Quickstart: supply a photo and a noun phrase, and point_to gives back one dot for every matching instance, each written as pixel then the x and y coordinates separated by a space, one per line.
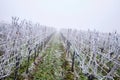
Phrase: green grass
pixel 50 66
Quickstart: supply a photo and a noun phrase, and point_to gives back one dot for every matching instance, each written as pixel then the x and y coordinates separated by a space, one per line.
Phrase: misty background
pixel 102 15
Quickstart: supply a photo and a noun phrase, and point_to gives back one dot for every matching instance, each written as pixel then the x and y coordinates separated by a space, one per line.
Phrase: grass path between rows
pixel 53 66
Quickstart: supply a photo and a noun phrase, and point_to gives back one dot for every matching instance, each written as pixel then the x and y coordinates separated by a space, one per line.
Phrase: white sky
pixel 102 15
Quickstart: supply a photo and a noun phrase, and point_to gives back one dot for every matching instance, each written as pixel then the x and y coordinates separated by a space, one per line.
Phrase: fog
pixel 102 15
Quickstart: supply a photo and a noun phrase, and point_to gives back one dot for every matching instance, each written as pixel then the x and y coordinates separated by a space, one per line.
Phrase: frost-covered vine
pixel 97 54
pixel 17 39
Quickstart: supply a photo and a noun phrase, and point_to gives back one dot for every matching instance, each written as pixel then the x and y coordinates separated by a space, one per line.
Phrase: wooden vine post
pixel 28 62
pixel 73 61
